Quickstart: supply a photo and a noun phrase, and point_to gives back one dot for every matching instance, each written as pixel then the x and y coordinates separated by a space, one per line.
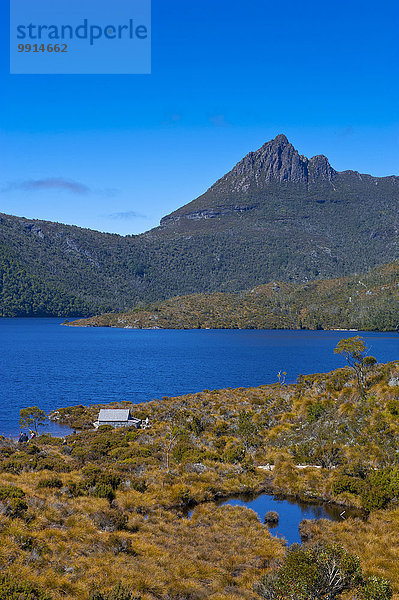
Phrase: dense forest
pixel 22 295
pixel 370 302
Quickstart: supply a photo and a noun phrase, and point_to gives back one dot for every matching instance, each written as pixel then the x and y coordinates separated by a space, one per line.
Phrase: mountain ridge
pixel 276 215
pixel 277 161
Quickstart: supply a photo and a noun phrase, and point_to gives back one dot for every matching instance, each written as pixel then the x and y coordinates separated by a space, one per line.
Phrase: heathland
pixel 108 506
pixel 367 303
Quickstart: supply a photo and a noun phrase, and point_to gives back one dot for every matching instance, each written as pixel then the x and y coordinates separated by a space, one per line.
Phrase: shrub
pixel 315 411
pixel 15 507
pixel 10 491
pixel 12 499
pixel 197 425
pixel 311 573
pixel 234 454
pixel 75 489
pixel 15 589
pixel 120 545
pixel 104 490
pixel 271 517
pixel 381 486
pixel 345 483
pixel 120 592
pixel 94 476
pixel 51 463
pixel 110 520
pixel 180 494
pixel 139 485
pixel 48 439
pixel 50 482
pixel 376 588
pixel 16 463
pixel 328 455
pixel 393 407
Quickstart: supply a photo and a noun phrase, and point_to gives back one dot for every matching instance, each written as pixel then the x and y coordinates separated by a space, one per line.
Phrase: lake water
pixel 291 513
pixel 44 364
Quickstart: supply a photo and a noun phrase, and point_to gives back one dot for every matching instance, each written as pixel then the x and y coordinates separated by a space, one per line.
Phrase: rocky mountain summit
pixel 277 161
pixel 278 171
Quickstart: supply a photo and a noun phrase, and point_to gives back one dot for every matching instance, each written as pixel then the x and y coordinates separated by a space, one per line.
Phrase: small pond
pixel 291 512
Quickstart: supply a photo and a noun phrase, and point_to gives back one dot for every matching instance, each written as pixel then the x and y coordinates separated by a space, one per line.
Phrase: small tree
pixel 176 427
pixel 247 430
pixel 32 416
pixel 355 352
pixel 281 375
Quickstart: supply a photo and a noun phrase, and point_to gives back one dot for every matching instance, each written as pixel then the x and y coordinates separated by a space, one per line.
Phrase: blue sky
pixel 118 152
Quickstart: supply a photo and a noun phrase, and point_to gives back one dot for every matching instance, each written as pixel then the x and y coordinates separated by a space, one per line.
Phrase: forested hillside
pixel 276 216
pixel 369 302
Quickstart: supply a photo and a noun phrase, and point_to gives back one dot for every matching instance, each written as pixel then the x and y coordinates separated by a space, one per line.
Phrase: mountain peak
pixel 277 161
pixel 320 169
pixel 280 139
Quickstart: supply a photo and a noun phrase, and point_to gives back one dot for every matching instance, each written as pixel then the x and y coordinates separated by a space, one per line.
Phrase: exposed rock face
pixel 207 213
pixel 319 169
pixel 276 161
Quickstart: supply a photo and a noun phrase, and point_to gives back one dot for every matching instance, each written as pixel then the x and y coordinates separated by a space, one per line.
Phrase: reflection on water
pixel 291 512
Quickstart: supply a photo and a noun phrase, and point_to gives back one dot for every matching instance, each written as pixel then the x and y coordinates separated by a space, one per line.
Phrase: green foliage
pixel 50 482
pixel 139 485
pixel 355 352
pixel 12 588
pixel 103 490
pixel 312 573
pixel 10 491
pixel 95 476
pixel 345 483
pixel 196 425
pixel 111 520
pixel 247 429
pixel 376 588
pixel 380 488
pixel 54 269
pixel 32 416
pixel 285 307
pixel 315 411
pixel 24 294
pixel 12 498
pixel 234 454
pixel 393 407
pixel 120 592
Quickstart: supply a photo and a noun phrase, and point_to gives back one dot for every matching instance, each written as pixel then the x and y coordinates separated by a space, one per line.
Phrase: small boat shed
pixel 117 417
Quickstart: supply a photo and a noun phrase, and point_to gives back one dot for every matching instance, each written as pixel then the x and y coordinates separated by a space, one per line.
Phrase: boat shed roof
pixel 114 414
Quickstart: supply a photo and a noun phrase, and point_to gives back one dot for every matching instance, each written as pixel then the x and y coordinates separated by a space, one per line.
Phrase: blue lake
pixel 291 513
pixel 44 364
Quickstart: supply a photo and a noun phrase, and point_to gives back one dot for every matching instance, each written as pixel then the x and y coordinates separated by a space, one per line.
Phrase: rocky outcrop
pixel 319 169
pixel 276 161
pixel 206 214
